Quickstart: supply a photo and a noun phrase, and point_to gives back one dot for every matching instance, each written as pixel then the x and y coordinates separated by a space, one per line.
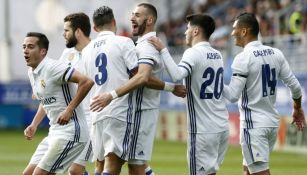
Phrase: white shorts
pixel 257 144
pixel 143 134
pixel 60 155
pixel 206 151
pixel 111 135
pixel 86 155
pixel 40 151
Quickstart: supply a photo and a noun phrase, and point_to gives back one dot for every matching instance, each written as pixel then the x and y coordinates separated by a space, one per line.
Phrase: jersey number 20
pixel 268 80
pixel 217 79
pixel 101 64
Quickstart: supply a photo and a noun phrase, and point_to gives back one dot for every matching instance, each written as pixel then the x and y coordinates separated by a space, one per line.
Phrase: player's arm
pixel 177 89
pixel 138 80
pixel 84 86
pixel 30 131
pixel 233 91
pixel 292 82
pixel 177 73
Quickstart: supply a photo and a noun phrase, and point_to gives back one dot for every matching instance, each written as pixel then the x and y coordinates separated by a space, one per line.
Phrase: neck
pixel 248 40
pixel 198 40
pixel 82 43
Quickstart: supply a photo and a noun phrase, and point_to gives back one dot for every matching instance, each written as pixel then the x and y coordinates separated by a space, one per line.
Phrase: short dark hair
pixel 248 20
pixel 81 21
pixel 102 16
pixel 42 42
pixel 151 10
pixel 204 21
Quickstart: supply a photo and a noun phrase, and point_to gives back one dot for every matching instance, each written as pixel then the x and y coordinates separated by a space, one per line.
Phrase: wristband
pixel 169 86
pixel 113 94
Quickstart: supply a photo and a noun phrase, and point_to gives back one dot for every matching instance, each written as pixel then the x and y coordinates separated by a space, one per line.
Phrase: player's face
pixel 138 21
pixel 189 34
pixel 69 36
pixel 32 53
pixel 237 34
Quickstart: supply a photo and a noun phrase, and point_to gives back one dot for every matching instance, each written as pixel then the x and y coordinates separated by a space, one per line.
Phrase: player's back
pixel 109 58
pixel 206 107
pixel 263 66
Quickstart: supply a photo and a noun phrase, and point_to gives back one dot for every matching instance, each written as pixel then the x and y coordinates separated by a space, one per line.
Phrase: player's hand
pixel 100 101
pixel 156 42
pixel 64 117
pixel 299 119
pixel 29 132
pixel 180 90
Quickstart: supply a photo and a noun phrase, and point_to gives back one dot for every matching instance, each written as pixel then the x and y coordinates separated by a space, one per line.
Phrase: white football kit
pixel 255 74
pixel 147 103
pixel 109 61
pixel 207 117
pixel 49 84
pixel 73 58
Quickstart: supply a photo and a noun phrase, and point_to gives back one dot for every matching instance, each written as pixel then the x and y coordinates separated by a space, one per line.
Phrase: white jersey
pixel 49 84
pixel 262 66
pixel 147 98
pixel 206 109
pixel 109 61
pixel 72 58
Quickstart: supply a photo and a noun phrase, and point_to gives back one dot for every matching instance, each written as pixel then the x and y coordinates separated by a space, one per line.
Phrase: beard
pixel 71 42
pixel 141 29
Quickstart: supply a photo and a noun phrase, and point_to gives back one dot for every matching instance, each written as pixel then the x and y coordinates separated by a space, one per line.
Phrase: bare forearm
pixel 84 87
pixel 39 116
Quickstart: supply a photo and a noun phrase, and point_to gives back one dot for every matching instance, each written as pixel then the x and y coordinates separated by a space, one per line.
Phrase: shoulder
pixel 191 53
pixel 145 47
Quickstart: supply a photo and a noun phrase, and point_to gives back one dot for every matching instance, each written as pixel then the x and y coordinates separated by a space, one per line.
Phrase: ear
pixel 95 28
pixel 243 31
pixel 150 20
pixel 43 51
pixel 196 31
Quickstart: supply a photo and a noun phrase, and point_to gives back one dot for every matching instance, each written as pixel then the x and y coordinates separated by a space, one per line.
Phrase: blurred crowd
pixel 276 17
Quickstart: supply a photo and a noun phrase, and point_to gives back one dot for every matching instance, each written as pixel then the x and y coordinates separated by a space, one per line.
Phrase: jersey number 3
pixel 268 80
pixel 101 64
pixel 217 79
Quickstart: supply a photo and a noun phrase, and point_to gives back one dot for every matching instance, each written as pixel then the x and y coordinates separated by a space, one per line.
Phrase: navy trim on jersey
pixel 145 63
pixel 192 153
pixel 89 151
pixel 128 127
pixel 247 138
pixel 137 121
pixel 62 156
pixel 67 97
pixel 188 65
pixel 147 59
pixel 66 71
pixel 239 75
pixel 193 126
pixel 71 74
pixel 247 111
pixel 185 68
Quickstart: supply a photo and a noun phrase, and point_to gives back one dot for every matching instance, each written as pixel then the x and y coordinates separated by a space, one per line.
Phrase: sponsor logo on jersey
pixel 48 101
pixel 141 153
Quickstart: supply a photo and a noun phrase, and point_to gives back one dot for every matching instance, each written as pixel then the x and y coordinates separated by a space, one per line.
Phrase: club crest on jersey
pixel 71 56
pixel 43 84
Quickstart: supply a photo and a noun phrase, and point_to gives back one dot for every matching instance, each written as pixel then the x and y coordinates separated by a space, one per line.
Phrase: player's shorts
pixel 144 130
pixel 40 151
pixel 111 135
pixel 86 155
pixel 257 144
pixel 60 155
pixel 206 151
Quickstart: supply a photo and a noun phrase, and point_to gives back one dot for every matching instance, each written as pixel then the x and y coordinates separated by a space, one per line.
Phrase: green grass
pixel 169 158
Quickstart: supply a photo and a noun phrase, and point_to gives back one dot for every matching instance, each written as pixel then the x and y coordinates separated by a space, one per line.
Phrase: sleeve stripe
pixel 187 65
pixel 147 59
pixel 67 74
pixel 239 75
pixel 145 63
pixel 185 68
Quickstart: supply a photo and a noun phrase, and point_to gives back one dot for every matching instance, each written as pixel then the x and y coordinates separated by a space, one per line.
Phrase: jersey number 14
pixel 268 80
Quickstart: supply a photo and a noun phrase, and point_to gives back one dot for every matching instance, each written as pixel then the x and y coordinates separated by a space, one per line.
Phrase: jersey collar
pixel 252 44
pixel 106 33
pixel 40 66
pixel 202 43
pixel 146 36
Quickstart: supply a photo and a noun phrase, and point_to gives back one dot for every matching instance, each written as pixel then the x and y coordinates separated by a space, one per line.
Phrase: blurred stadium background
pixel 283 24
